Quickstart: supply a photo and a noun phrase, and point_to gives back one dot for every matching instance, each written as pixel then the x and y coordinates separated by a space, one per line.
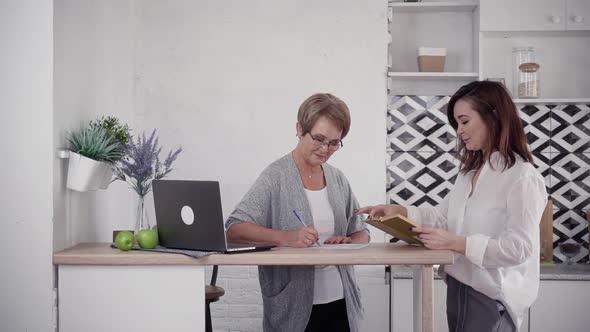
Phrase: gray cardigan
pixel 287 291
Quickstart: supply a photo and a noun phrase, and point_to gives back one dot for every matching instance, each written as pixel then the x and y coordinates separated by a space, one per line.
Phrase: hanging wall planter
pixel 86 174
pixel 93 152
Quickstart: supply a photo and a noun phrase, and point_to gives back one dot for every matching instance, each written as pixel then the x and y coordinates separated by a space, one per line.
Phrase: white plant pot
pixel 86 174
pixel 107 177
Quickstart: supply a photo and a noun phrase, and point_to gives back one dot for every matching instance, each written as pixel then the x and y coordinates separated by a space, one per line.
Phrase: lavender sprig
pixel 142 165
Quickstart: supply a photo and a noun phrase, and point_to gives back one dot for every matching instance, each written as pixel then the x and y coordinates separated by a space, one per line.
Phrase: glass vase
pixel 142 220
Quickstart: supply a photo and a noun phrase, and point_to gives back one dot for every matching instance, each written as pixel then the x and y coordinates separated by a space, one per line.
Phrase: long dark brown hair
pixel 498 112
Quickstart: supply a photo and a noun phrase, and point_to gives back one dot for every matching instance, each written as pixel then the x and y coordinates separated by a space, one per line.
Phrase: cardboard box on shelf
pixel 431 59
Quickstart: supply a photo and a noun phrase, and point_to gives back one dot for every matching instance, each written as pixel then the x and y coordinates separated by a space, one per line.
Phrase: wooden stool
pixel 212 294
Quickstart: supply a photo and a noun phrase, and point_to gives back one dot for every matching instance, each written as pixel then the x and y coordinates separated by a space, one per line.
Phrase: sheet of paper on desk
pixel 341 246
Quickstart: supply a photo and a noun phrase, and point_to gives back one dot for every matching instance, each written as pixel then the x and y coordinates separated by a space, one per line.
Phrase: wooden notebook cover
pixel 398 226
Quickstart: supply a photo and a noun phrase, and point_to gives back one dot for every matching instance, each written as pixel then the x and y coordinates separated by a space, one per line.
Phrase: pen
pixel 304 225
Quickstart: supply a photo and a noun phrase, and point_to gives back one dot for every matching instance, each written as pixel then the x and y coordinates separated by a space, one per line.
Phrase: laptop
pixel 189 216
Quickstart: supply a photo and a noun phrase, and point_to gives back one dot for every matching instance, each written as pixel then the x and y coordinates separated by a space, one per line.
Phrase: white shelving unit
pixel 473 54
pixel 452 25
pixel 443 75
pixel 433 6
pixel 554 101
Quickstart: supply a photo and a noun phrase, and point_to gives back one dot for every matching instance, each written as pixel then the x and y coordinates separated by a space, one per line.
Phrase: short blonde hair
pixel 323 104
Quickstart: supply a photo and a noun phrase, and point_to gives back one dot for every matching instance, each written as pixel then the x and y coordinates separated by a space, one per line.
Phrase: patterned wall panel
pixel 421 165
pixel 417 178
pixel 418 123
pixel 570 177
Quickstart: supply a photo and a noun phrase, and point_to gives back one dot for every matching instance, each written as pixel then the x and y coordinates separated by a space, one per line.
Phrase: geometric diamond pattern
pixel 417 177
pixel 419 123
pixel 421 165
pixel 536 120
pixel 563 157
pixel 570 226
pixel 571 129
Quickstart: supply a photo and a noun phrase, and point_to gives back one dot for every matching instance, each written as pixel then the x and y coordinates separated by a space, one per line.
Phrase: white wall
pixel 93 76
pixel 224 79
pixel 26 277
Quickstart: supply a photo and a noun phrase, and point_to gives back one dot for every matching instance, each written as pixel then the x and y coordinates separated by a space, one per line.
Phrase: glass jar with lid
pixel 526 83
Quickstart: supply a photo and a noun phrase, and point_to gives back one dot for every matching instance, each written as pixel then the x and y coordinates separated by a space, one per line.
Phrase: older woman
pixel 296 201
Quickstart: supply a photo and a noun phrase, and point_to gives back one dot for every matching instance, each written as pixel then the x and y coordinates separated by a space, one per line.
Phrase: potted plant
pixel 93 151
pixel 119 133
pixel 140 166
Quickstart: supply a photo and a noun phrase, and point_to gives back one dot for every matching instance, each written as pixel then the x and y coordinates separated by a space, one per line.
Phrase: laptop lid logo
pixel 187 215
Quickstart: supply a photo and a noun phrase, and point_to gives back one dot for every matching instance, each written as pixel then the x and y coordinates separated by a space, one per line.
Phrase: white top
pixel 327 286
pixel 500 221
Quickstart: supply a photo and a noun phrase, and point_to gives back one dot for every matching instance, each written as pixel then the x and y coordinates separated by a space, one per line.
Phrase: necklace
pixel 313 174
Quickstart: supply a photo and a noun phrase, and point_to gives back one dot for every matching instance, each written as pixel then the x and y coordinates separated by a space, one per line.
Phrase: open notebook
pixel 341 246
pixel 398 226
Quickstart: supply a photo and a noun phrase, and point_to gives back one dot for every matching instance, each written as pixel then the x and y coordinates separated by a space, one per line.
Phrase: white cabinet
pixel 522 15
pixel 540 15
pixel 374 296
pixel 577 15
pixel 402 305
pixel 131 298
pixel 535 15
pixel 561 306
pixel 495 17
pixel 542 24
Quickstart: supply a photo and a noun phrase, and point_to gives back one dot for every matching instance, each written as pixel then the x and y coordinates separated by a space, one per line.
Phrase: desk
pixel 105 289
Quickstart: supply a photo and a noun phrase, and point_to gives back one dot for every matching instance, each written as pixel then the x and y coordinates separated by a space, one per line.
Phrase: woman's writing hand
pixel 302 237
pixel 338 240
pixel 383 210
pixel 436 238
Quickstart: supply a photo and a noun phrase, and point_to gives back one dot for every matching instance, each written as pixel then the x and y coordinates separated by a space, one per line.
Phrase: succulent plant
pixel 96 143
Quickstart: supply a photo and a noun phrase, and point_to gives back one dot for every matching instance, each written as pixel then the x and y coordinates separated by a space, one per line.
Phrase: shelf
pixel 412 7
pixel 552 101
pixel 432 75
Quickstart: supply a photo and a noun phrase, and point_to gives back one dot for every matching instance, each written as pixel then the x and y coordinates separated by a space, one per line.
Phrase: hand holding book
pixel 438 238
pixel 398 226
pixel 383 210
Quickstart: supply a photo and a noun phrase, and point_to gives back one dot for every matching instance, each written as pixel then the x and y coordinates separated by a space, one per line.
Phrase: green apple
pixel 124 240
pixel 147 238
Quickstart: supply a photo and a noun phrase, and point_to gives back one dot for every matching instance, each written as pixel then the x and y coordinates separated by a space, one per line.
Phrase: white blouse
pixel 327 283
pixel 500 221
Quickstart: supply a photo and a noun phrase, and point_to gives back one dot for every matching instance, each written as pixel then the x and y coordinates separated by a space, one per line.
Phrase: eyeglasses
pixel 320 141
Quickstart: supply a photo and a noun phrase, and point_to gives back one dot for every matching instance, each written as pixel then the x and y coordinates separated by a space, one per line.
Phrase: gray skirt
pixel 469 310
